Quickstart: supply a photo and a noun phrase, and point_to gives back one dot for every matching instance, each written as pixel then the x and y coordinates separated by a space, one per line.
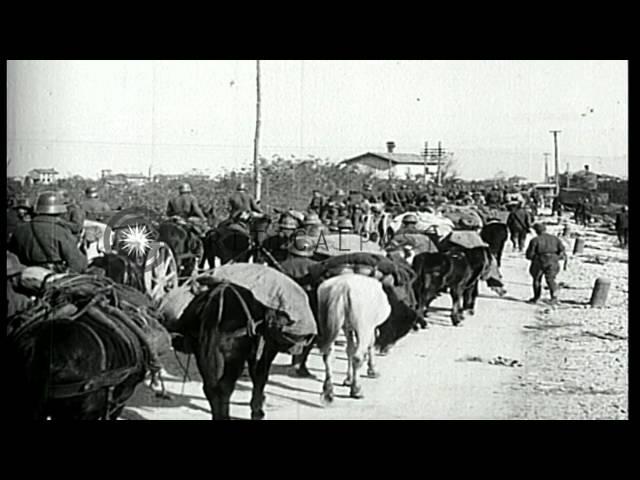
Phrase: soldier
pixel 368 193
pixel 390 197
pixel 622 226
pixel 409 223
pixel 313 225
pixel 93 207
pixel 185 205
pixel 317 203
pixel 338 197
pixel 345 226
pixel 16 301
pixel 241 202
pixel 556 206
pixel 297 265
pixel 544 252
pixel 277 244
pixel 46 241
pixel 519 224
pixel 19 212
pixel 75 216
pixel 586 212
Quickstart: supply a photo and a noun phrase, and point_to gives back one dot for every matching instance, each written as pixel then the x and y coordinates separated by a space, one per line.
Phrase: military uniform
pixel 277 246
pixel 95 209
pixel 47 242
pixel 317 205
pixel 74 219
pixel 519 224
pixel 185 206
pixel 622 227
pixel 544 252
pixel 242 202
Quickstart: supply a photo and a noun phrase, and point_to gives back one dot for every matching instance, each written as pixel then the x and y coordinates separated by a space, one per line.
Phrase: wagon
pixel 157 261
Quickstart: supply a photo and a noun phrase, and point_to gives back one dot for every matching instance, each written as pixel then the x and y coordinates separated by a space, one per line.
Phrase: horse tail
pixel 332 306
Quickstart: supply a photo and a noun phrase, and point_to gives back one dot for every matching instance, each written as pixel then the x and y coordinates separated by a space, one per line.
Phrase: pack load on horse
pixel 246 313
pixel 344 241
pixel 82 348
pixel 462 217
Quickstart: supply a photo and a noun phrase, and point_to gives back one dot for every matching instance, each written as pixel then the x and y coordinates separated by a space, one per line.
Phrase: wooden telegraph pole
pixel 555 147
pixel 426 157
pixel 546 167
pixel 256 141
pixel 439 164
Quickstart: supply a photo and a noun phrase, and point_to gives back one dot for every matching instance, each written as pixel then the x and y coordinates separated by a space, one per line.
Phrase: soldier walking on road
pixel 622 227
pixel 544 252
pixel 519 224
pixel 93 207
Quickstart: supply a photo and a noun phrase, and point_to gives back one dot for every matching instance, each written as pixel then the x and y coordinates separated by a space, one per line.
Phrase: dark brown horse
pixel 78 366
pixel 226 327
pixel 235 241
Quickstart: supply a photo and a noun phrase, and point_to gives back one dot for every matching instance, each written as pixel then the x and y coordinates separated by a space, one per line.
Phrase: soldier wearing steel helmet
pixel 93 207
pixel 298 265
pixel 241 202
pixel 19 212
pixel 313 226
pixel 75 215
pixel 277 244
pixel 16 301
pixel 185 205
pixel 46 240
pixel 409 222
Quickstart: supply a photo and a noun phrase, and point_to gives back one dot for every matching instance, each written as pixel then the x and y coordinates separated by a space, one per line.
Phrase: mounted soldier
pixel 313 226
pixel 277 244
pixel 242 202
pixel 93 207
pixel 46 240
pixel 185 207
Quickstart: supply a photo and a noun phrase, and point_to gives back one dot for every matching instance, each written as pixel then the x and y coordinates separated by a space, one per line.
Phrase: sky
pixel 80 117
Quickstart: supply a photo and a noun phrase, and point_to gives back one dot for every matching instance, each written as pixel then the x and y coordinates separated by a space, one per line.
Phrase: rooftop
pixel 395 158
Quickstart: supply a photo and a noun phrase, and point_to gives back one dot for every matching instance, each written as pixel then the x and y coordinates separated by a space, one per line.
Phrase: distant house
pixel 43 176
pixel 400 164
pixel 120 179
pixel 136 179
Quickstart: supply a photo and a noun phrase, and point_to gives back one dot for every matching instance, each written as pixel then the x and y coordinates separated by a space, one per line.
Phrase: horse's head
pixel 398 324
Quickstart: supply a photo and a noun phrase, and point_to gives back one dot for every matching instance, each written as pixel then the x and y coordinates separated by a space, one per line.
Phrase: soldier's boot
pixel 537 291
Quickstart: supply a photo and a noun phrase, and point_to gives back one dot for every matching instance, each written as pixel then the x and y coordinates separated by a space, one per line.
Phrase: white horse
pixel 357 305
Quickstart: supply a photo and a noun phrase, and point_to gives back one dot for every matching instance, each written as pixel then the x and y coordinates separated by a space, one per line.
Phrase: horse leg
pixel 259 371
pixel 355 362
pixel 300 361
pixel 456 312
pixel 371 368
pixel 350 350
pixel 327 387
pixel 468 298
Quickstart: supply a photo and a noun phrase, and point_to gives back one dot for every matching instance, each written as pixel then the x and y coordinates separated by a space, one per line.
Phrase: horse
pixel 357 305
pixel 234 241
pixel 402 319
pixel 121 269
pixel 185 244
pixel 77 368
pixel 495 234
pixel 225 327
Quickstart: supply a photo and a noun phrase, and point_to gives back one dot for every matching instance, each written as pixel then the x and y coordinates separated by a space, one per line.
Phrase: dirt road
pixel 438 373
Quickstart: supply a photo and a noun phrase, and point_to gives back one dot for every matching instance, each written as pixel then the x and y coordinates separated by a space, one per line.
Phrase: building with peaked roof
pixel 43 176
pixel 401 165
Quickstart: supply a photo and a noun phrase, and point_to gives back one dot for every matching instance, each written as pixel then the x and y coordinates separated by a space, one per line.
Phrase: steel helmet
pixel 301 247
pixel 185 188
pixel 312 219
pixel 288 223
pixel 241 188
pixel 410 219
pixel 91 192
pixel 23 203
pixel 345 224
pixel 50 203
pixel 14 267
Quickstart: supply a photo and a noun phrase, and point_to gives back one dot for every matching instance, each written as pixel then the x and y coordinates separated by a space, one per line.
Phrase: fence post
pixel 600 292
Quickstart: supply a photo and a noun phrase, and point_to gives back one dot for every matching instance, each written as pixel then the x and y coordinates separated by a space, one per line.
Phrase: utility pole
pixel 439 164
pixel 546 167
pixel 256 141
pixel 568 175
pixel 555 150
pixel 426 155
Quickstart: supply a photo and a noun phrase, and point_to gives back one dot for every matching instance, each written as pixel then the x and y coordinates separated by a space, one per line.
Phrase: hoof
pixel 356 392
pixel 327 398
pixel 347 382
pixel 303 372
pixel 373 373
pixel 259 415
